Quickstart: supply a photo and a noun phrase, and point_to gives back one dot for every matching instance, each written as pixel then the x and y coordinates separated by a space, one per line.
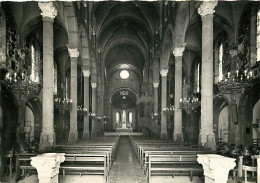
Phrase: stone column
pixel 164 134
pixel 73 134
pixel 177 134
pixel 47 166
pixel 48 14
pixel 216 167
pixel 207 137
pixel 94 121
pixel 86 74
pixel 258 167
pixel 155 86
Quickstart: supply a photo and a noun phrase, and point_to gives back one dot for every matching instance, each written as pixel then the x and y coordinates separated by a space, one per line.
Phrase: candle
pixel 245 72
pixel 251 74
pixel 22 75
pixel 228 74
pixel 237 73
pixel 14 75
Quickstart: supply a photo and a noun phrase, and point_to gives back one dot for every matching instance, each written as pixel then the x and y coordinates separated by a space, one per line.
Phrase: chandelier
pixel 189 104
pixel 63 103
pixel 21 83
pixel 82 110
pixel 235 82
pixel 168 110
pixel 155 115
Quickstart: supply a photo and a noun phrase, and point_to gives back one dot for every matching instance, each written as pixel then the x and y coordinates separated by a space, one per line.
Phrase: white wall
pixel 256 115
pixel 30 118
pixel 223 123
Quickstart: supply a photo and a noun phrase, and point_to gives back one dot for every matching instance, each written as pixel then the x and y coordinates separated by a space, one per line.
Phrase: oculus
pixel 124 74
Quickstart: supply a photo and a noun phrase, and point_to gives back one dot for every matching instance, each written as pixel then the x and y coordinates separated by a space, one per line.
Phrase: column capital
pixel 47 164
pixel 94 85
pixel 73 52
pixel 178 51
pixel 164 72
pixel 48 9
pixel 86 73
pixel 215 165
pixel 156 84
pixel 207 8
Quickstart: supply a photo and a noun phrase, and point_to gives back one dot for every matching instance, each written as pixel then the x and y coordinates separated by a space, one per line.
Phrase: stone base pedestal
pixel 47 140
pixel 73 136
pixel 208 141
pixel 47 166
pixel 211 144
pixel 86 135
pixel 164 135
pixel 216 167
pixel 178 137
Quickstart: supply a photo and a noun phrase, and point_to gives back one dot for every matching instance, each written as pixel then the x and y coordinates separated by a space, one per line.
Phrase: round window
pixel 124 74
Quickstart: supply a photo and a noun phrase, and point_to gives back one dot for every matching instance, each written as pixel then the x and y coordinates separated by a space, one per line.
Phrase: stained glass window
pixel 220 65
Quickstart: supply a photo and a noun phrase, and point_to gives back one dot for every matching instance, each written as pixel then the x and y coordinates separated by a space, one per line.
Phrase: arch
pixel 167 45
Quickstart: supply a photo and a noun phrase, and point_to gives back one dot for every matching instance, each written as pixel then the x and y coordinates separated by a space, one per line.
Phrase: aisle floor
pixel 126 168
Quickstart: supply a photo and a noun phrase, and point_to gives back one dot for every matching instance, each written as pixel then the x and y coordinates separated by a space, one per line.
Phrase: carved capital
pixel 207 8
pixel 178 51
pixel 47 164
pixel 215 165
pixel 48 9
pixel 164 72
pixel 94 85
pixel 155 84
pixel 86 73
pixel 73 52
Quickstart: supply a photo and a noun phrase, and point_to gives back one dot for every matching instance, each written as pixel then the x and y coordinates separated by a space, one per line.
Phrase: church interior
pixel 130 91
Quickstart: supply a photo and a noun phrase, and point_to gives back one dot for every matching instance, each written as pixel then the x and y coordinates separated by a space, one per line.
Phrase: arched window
pixel 220 65
pixel 130 117
pixel 258 36
pixel 35 62
pixel 55 79
pixel 196 88
pixel 117 117
pixel 66 88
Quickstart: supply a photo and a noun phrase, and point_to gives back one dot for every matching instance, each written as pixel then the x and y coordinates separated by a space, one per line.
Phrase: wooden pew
pixel 89 164
pixel 83 164
pixel 173 165
pixel 178 152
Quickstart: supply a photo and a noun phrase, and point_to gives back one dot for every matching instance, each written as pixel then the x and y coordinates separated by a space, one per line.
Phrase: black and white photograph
pixel 130 91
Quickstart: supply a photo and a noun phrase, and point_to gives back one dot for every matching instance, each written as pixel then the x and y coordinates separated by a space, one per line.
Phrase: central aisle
pixel 126 168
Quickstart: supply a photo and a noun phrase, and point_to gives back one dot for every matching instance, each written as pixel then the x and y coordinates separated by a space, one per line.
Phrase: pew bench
pixel 94 164
pixel 147 153
pixel 85 164
pixel 173 165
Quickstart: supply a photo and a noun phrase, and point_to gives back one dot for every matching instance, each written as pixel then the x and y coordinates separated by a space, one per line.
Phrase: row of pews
pixel 91 157
pixel 160 157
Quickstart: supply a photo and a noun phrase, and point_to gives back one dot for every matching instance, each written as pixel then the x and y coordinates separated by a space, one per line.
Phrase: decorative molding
pixel 73 52
pixel 48 9
pixel 155 84
pixel 207 8
pixel 86 73
pixel 93 85
pixel 178 51
pixel 164 72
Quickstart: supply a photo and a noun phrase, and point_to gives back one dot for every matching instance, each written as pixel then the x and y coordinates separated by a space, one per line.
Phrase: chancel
pixel 130 91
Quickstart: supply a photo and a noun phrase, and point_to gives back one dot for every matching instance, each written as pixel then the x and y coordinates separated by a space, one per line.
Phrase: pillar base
pixel 164 135
pixel 178 137
pixel 208 141
pixel 86 135
pixel 73 136
pixel 47 140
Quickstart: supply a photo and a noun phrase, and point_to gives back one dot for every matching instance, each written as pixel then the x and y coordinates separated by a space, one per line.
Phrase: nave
pixel 128 159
